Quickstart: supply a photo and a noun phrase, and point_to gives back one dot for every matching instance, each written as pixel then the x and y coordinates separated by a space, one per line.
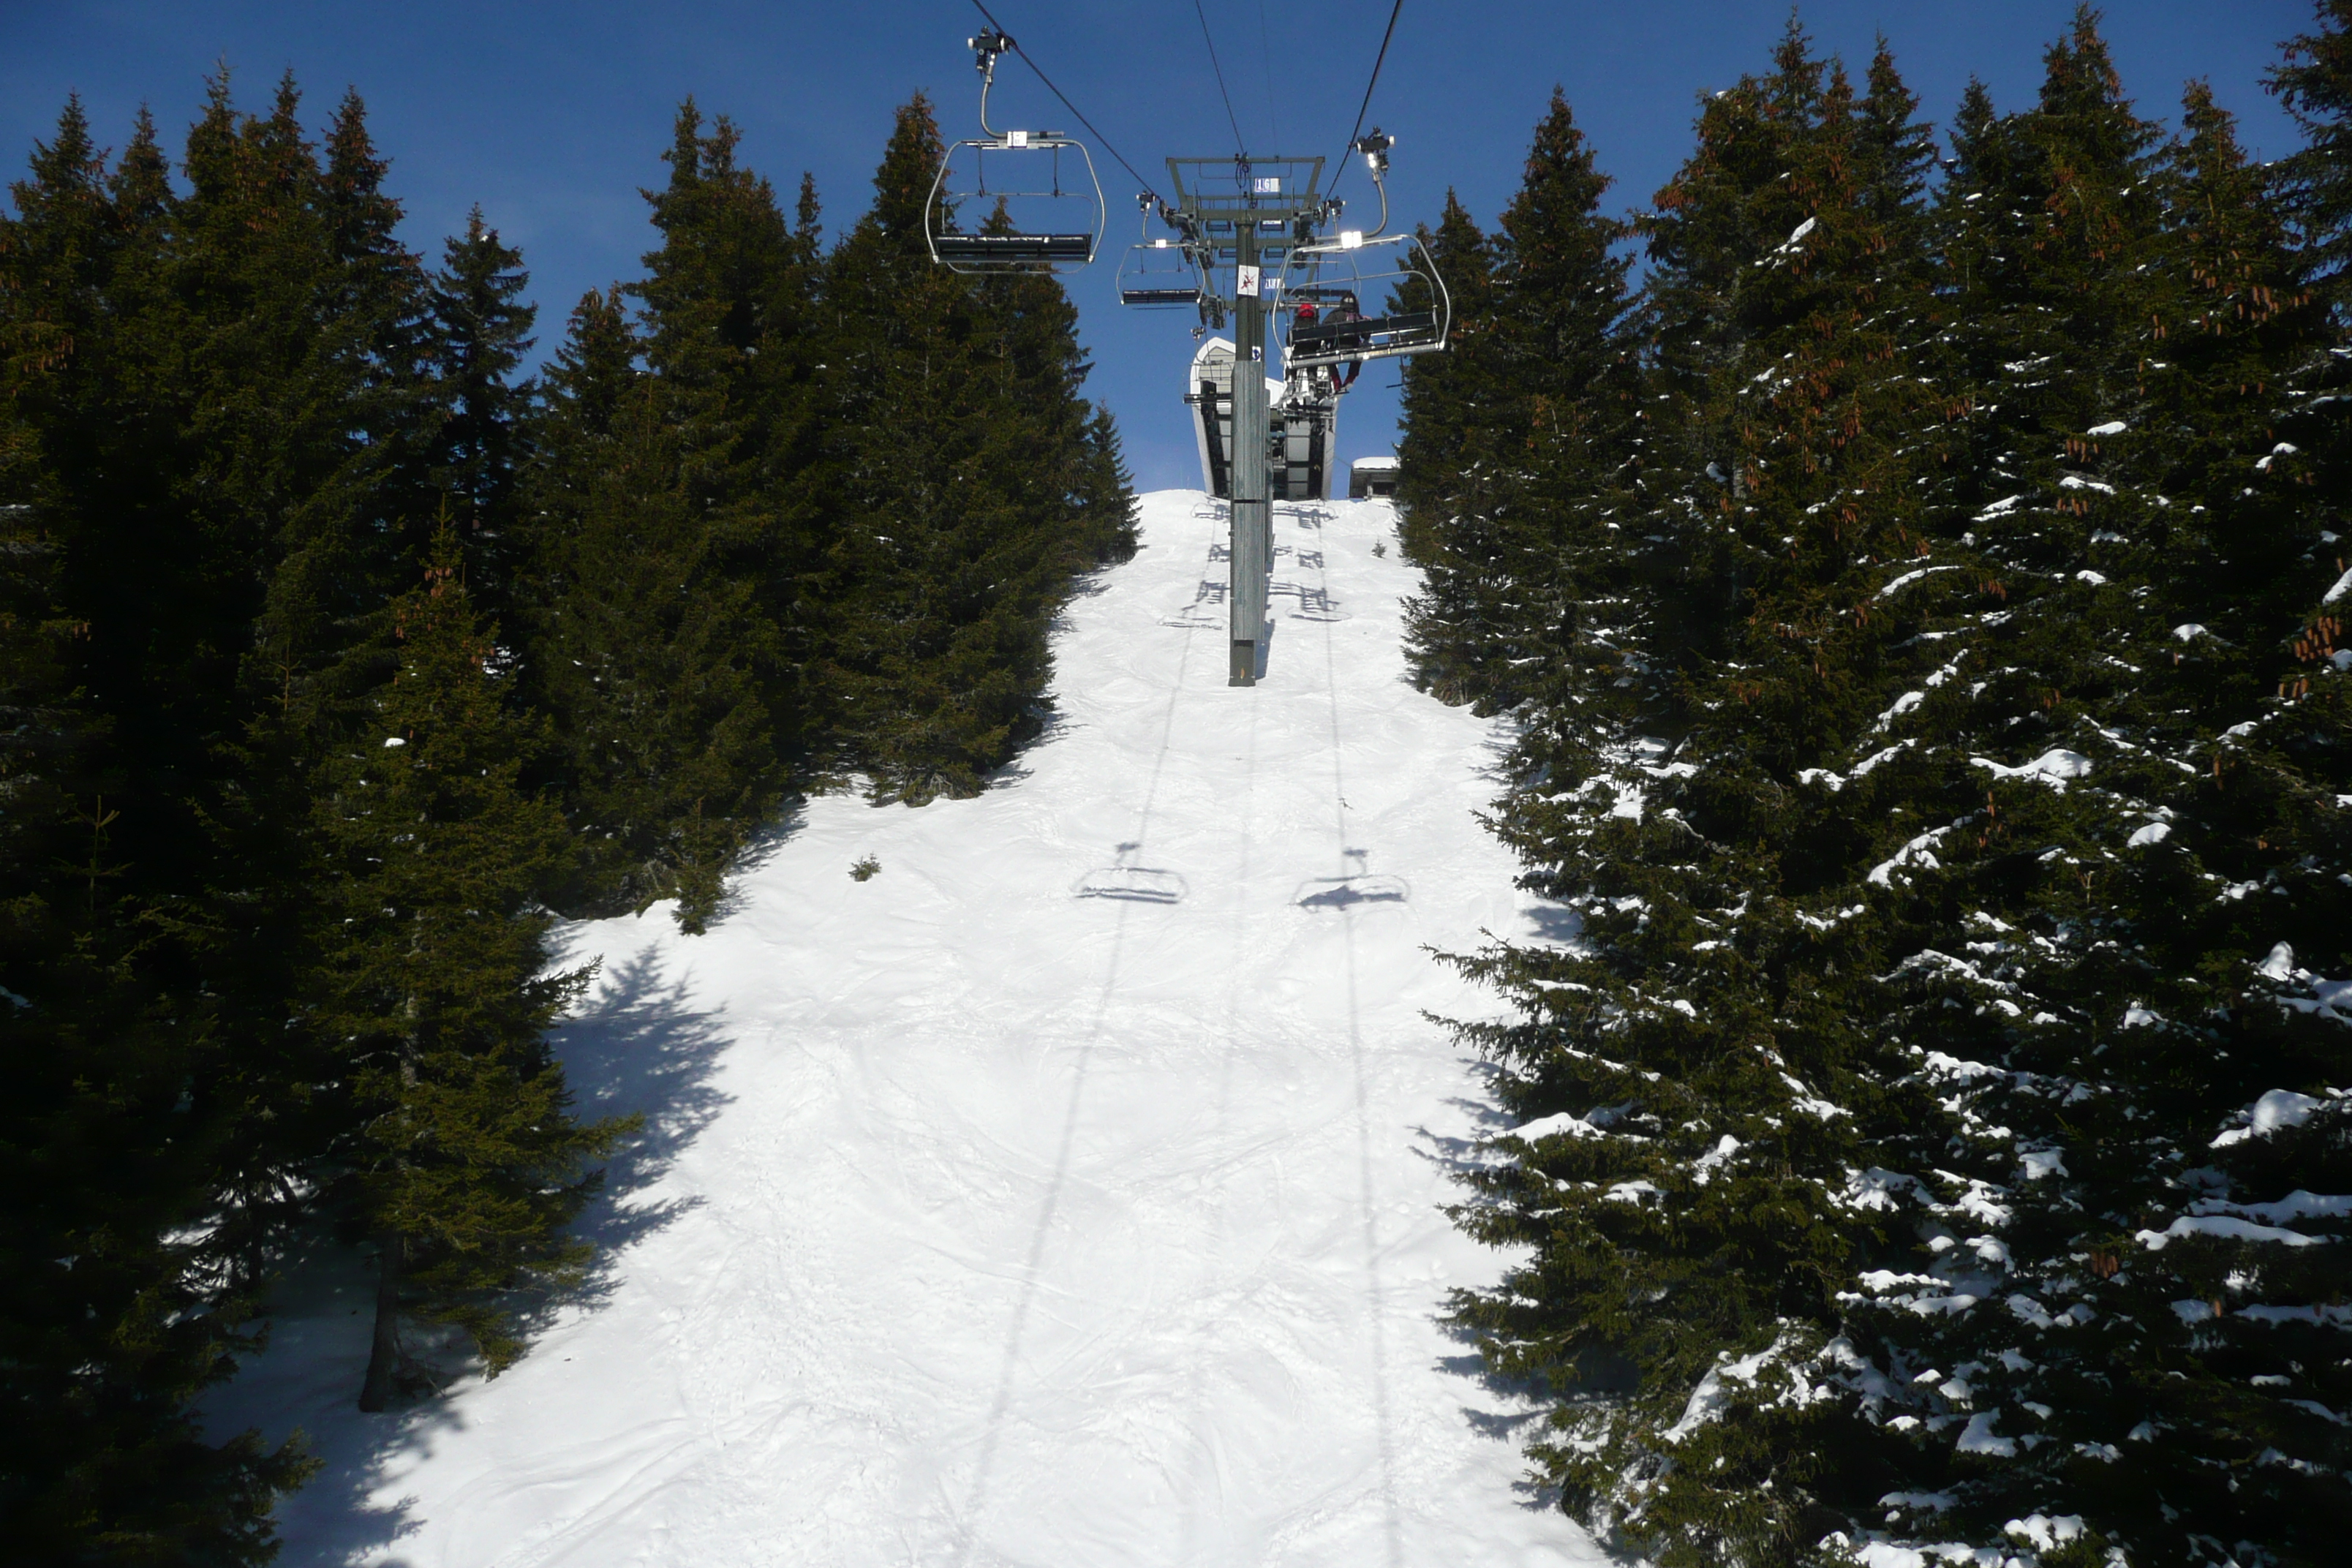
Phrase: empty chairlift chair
pixel 1159 273
pixel 1042 207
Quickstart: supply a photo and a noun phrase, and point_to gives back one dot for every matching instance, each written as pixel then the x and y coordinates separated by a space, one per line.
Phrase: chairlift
pixel 1345 277
pixel 1159 273
pixel 1041 182
pixel 1341 276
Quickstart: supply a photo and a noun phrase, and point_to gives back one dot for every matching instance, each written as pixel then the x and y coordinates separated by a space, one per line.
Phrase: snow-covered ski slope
pixel 1065 1196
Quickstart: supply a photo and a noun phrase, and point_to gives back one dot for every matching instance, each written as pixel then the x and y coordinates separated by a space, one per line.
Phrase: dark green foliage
pixel 1441 455
pixel 790 521
pixel 1516 438
pixel 262 966
pixel 970 485
pixel 1702 1214
pixel 121 1287
pixel 1977 743
pixel 465 1162
pixel 480 335
pixel 2315 82
pixel 655 531
pixel 2120 999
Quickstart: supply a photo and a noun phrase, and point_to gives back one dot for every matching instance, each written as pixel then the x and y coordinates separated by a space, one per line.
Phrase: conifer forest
pixel 1908 567
pixel 343 657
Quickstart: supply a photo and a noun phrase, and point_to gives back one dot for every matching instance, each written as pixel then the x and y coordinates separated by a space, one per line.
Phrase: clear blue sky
pixel 552 116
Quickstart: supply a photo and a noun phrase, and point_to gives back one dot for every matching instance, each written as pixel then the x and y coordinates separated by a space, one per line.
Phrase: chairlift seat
pixel 1329 342
pixel 1160 296
pixel 1014 250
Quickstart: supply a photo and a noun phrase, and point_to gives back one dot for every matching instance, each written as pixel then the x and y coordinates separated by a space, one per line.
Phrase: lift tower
pixel 1241 217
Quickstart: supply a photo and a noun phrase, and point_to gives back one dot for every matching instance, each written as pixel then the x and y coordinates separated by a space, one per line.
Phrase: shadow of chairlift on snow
pixel 1207 609
pixel 1314 603
pixel 1321 893
pixel 1135 884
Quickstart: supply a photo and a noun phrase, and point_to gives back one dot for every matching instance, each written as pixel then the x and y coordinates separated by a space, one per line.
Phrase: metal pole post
pixel 1251 513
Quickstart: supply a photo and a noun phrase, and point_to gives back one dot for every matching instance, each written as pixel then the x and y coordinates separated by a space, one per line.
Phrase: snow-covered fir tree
pixel 1920 1144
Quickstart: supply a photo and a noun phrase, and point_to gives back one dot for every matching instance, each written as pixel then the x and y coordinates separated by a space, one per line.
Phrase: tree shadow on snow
pixel 636 1045
pixel 790 818
pixel 1505 1408
pixel 639 1045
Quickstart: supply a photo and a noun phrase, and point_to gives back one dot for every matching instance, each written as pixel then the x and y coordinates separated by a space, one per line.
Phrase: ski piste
pixel 1067 1192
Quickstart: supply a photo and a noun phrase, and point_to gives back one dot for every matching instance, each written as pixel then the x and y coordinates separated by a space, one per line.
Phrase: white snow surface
pixel 1067 1194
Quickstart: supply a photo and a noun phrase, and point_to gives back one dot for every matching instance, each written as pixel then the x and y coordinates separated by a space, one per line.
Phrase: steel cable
pixel 1241 149
pixel 1148 189
pixel 1363 107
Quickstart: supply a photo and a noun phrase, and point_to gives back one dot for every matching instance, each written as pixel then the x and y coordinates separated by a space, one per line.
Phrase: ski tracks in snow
pixel 1062 1197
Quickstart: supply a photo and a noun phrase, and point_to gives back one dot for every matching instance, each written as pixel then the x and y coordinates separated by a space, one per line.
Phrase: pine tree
pixel 645 647
pixel 668 528
pixel 2113 1009
pixel 1103 490
pixel 287 328
pixel 114 1315
pixel 1566 363
pixel 1443 459
pixel 968 480
pixel 1693 1091
pixel 429 969
pixel 2313 82
pixel 479 337
pixel 1519 545
pixel 1921 1137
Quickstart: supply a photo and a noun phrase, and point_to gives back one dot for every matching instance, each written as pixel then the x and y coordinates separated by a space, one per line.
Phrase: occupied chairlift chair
pixel 1072 216
pixel 1341 274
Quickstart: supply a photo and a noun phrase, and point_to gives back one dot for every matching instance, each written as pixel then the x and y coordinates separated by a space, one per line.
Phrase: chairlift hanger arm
pixel 1375 149
pixel 987 47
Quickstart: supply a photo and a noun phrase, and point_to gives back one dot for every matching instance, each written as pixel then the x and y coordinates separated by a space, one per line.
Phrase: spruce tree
pixel 480 328
pixel 2313 82
pixel 1517 545
pixel 1692 1087
pixel 122 1288
pixel 666 522
pixel 646 645
pixel 289 321
pixel 1979 758
pixel 429 970
pixel 2076 963
pixel 971 485
pixel 1443 461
